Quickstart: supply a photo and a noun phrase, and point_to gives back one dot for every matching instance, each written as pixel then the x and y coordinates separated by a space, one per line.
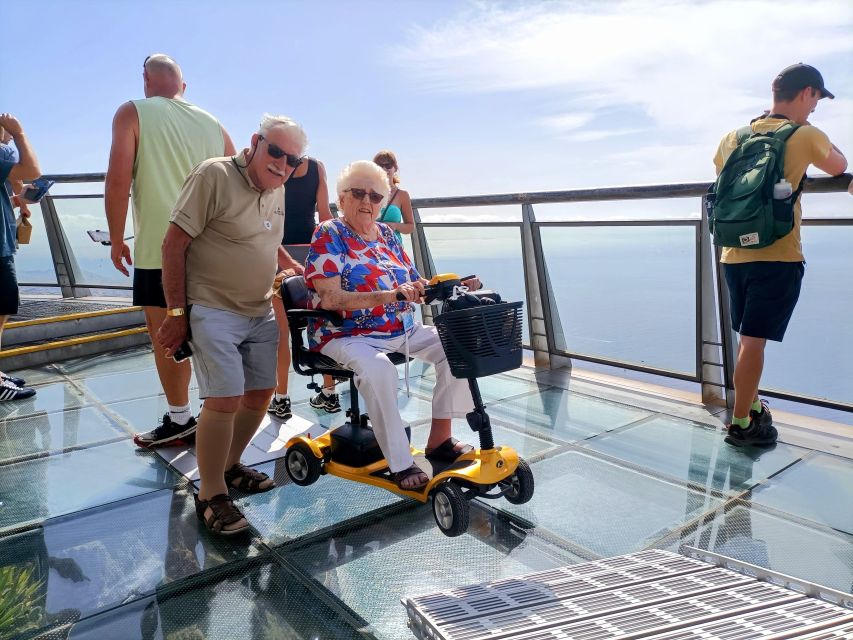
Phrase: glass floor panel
pixel 406 554
pixel 819 489
pixel 50 397
pixel 565 415
pixel 604 509
pixel 691 452
pixel 260 600
pixel 41 432
pixel 616 471
pixel 32 491
pixel 749 533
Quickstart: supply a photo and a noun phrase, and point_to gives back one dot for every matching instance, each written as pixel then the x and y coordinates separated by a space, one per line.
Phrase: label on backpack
pixel 749 239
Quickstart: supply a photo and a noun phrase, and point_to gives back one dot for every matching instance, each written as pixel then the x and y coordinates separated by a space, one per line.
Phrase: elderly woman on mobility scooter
pixel 357 267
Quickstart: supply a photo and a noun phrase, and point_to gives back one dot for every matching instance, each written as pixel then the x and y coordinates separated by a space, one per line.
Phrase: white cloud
pixel 682 66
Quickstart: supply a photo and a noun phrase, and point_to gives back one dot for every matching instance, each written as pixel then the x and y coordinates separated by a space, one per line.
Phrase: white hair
pixel 367 173
pixel 289 125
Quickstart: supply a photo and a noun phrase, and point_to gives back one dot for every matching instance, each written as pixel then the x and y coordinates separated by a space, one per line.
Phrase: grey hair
pixel 293 128
pixel 364 170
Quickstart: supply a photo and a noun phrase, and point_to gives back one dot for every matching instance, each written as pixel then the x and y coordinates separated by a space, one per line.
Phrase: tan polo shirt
pixel 236 231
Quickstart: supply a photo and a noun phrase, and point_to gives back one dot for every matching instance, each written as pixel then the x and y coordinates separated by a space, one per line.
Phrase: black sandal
pixel 448 451
pixel 223 513
pixel 248 480
pixel 405 474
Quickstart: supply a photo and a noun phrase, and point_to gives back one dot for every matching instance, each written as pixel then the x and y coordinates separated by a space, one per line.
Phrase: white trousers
pixel 376 380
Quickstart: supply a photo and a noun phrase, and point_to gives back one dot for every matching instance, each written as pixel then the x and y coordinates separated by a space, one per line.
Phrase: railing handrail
pixel 822 184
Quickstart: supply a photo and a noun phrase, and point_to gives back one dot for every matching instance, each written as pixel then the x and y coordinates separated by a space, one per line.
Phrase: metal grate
pixel 650 594
pixel 34 309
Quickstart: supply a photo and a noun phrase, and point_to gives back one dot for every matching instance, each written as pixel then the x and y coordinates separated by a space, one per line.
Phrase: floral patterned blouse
pixel 382 265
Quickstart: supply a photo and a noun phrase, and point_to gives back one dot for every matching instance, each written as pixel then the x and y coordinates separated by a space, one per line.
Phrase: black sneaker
pixel 757 434
pixel 20 382
pixel 764 418
pixel 10 391
pixel 281 408
pixel 167 434
pixel 329 404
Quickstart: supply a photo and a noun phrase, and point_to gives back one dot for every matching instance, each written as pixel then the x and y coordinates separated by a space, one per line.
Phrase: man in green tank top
pixel 156 144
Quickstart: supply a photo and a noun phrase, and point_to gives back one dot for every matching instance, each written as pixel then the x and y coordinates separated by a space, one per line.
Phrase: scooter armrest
pixel 304 314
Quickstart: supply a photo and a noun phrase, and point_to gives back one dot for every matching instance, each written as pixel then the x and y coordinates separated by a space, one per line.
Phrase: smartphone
pixel 183 352
pixel 100 236
pixel 37 189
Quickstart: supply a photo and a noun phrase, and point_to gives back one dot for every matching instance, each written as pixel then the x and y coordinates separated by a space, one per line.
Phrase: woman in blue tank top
pixel 397 213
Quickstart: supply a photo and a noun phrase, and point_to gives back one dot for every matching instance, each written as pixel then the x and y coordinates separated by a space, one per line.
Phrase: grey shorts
pixel 232 353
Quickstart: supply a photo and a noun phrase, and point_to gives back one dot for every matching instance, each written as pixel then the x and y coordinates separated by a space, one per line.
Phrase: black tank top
pixel 300 199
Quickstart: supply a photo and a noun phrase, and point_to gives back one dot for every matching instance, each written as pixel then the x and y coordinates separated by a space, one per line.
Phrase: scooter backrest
pixel 294 293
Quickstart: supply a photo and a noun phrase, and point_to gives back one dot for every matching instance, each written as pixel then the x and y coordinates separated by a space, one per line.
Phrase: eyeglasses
pixel 359 194
pixel 278 153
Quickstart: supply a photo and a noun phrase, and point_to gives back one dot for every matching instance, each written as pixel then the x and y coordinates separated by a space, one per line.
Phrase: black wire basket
pixel 482 341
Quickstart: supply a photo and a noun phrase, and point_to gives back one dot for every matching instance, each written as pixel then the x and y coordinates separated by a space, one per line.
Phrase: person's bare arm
pixel 333 298
pixel 27 167
pixel 834 164
pixel 286 261
pixel 408 223
pixel 229 146
pixel 118 181
pixel 173 331
pixel 323 210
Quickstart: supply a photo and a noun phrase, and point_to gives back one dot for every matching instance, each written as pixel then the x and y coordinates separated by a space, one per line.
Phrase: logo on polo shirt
pixel 278 211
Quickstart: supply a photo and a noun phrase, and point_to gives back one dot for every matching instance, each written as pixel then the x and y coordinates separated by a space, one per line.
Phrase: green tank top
pixel 174 136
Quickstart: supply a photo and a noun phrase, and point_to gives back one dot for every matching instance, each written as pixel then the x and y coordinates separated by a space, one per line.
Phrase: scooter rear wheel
pixel 302 465
pixel 450 508
pixel 520 484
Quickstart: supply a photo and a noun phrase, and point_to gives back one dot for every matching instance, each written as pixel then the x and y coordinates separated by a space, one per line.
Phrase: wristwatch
pixel 175 311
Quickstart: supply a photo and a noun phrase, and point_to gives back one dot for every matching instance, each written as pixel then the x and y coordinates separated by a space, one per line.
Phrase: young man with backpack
pixel 759 184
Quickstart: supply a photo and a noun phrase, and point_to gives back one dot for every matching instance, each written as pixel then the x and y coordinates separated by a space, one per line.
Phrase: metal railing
pixel 714 342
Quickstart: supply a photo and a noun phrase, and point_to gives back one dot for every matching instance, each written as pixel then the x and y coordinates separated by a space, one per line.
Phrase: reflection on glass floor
pixel 100 540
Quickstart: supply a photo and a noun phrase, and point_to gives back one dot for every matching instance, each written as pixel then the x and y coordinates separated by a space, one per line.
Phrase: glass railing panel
pixel 472 214
pixel 625 293
pixel 816 358
pixel 491 252
pixel 33 261
pixel 648 209
pixel 79 215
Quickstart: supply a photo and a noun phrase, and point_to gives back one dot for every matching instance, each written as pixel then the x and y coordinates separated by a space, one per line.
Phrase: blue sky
pixel 475 97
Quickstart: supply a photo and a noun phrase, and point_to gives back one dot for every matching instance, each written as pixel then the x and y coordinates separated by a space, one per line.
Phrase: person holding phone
pixel 26 168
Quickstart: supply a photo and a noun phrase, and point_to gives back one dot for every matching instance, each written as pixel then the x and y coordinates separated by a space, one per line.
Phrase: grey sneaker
pixel 763 418
pixel 757 434
pixel 281 408
pixel 329 404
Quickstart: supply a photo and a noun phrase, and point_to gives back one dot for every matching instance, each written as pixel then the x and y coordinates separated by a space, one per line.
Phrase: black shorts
pixel 148 288
pixel 763 296
pixel 9 299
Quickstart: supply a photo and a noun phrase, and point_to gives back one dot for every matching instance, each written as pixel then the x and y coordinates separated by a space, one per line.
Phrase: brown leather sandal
pixel 412 472
pixel 223 513
pixel 248 480
pixel 448 450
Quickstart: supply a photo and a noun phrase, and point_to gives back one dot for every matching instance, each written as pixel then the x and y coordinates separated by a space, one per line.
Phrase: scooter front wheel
pixel 519 486
pixel 302 465
pixel 450 508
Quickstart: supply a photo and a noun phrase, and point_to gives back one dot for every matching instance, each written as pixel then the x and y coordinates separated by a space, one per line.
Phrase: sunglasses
pixel 359 194
pixel 386 166
pixel 278 153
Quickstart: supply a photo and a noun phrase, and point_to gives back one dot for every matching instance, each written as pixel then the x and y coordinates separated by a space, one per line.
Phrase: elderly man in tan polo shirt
pixel 219 261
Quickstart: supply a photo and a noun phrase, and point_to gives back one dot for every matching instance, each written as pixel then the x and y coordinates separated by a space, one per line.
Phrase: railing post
pixel 423 260
pixel 64 262
pixel 542 317
pixel 718 339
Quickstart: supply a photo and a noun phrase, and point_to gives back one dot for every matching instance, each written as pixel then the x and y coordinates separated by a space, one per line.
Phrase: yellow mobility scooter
pixel 479 341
